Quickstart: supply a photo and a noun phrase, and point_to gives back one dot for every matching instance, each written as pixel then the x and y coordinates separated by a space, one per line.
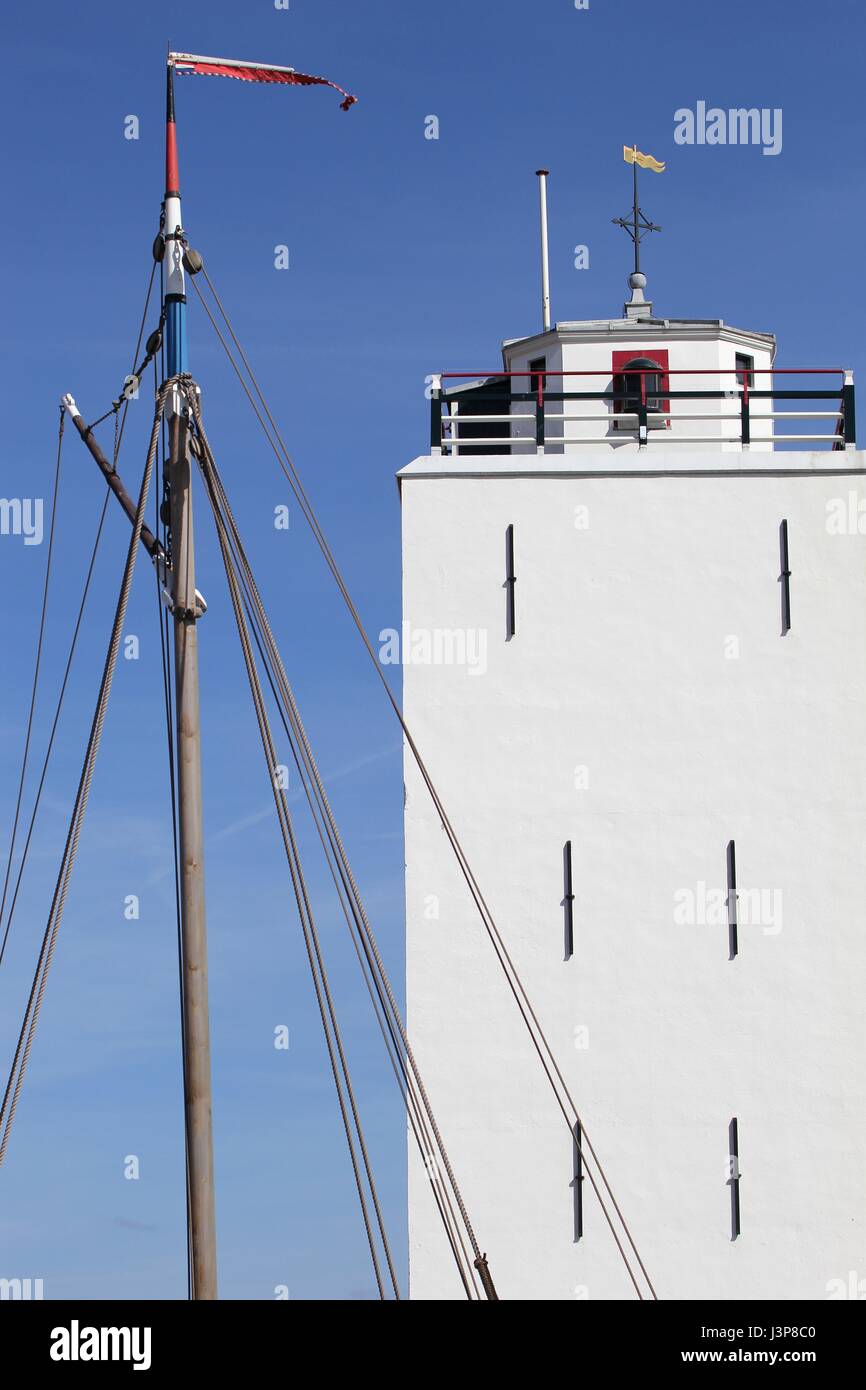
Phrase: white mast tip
pixel 175 58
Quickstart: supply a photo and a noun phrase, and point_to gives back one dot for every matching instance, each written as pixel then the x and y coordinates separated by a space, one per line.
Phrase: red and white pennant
pixel 253 72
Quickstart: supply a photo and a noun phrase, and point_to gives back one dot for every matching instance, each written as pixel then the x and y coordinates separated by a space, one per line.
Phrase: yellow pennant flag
pixel 646 161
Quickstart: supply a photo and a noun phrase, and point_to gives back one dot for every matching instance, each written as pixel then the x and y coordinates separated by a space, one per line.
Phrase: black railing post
pixel 745 421
pixel 436 415
pixel 539 416
pixel 849 422
pixel 642 424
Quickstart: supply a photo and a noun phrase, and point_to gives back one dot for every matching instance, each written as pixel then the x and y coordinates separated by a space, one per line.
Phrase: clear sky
pixel 407 256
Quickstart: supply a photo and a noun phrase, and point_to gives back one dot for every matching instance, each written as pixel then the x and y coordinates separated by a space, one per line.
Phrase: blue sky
pixel 407 256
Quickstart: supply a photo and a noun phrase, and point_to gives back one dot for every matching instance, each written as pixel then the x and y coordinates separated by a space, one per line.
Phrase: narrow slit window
pixel 785 577
pixel 577 1182
pixel 510 581
pixel 733 943
pixel 734 1175
pixel 568 900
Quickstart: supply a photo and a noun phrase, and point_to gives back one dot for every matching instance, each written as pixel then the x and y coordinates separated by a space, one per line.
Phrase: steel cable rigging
pixel 32 1011
pixel 330 1026
pixel 421 1117
pixel 119 411
pixel 38 664
pixel 54 723
pixel 119 425
pixel 235 560
pixel 52 928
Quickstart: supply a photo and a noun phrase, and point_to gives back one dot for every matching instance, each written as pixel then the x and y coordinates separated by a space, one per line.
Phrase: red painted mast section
pixel 172 177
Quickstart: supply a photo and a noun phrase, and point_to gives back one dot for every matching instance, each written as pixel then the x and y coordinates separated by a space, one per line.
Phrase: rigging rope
pixel 54 723
pixel 10 1101
pixel 537 1036
pixel 403 1077
pixel 313 786
pixel 49 940
pixel 317 966
pixel 34 688
pixel 406 1084
pixel 136 373
pixel 119 425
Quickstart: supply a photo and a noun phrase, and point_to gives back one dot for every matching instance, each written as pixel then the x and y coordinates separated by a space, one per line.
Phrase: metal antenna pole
pixel 187 609
pixel 545 261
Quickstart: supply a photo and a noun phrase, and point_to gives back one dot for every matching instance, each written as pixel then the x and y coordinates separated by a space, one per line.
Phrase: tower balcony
pixel 640 402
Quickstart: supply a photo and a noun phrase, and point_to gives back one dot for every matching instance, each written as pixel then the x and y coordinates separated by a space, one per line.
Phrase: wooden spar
pixel 112 477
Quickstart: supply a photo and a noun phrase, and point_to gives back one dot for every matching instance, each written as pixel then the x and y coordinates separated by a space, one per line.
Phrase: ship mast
pixel 187 608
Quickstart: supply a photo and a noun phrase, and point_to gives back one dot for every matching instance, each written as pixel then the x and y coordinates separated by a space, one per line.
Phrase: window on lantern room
pixel 744 366
pixel 536 365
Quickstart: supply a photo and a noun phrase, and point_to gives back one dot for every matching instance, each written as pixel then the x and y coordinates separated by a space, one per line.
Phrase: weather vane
pixel 637 224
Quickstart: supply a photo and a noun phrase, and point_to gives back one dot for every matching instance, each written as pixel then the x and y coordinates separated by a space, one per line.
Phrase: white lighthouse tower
pixel 634 565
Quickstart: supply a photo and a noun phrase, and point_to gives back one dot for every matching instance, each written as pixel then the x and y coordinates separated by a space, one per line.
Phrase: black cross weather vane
pixel 637 225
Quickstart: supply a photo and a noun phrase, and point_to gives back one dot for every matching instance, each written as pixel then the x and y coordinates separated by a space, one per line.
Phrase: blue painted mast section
pixel 175 288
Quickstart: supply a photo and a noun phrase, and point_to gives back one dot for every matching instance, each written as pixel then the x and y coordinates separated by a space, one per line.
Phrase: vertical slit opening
pixel 733 943
pixel 785 577
pixel 567 900
pixel 577 1183
pixel 510 581
pixel 734 1175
